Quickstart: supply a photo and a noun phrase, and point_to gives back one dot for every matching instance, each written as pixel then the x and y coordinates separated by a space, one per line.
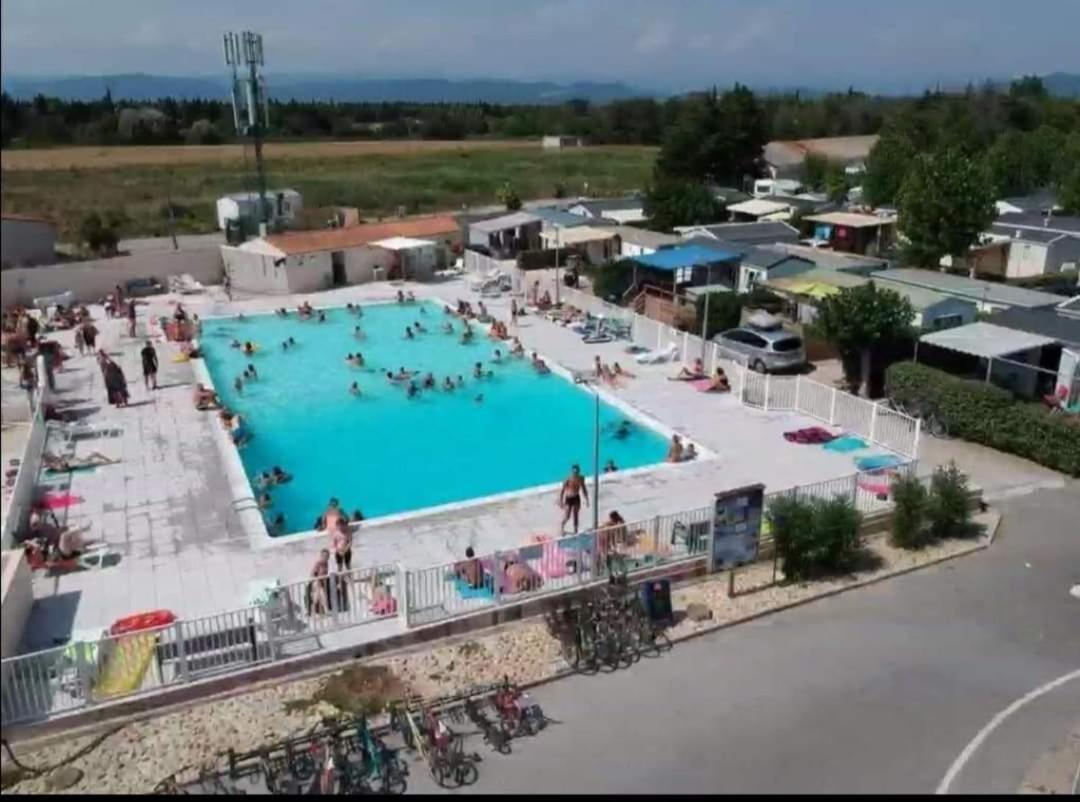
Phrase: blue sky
pixel 656 44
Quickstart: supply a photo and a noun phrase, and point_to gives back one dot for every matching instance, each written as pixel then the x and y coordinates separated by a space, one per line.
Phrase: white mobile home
pixel 284 206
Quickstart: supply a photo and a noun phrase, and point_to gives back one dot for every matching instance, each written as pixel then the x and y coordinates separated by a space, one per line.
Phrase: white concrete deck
pixel 168 518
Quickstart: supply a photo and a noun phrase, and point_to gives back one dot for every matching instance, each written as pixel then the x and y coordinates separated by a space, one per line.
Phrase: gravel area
pixel 135 758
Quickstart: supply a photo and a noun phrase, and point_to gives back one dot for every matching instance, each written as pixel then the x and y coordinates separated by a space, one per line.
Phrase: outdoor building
pixel 989 296
pixel 689 265
pixel 560 142
pixel 1022 362
pixel 850 232
pixel 630 209
pixel 554 217
pixel 284 206
pixel 593 244
pixel 760 209
pixel 834 260
pixel 785 159
pixel 26 241
pixel 759 233
pixel 728 195
pixel 806 289
pixel 508 235
pixel 1038 203
pixel 1037 244
pixel 984 259
pixel 762 263
pixel 767 187
pixel 316 260
pixel 640 241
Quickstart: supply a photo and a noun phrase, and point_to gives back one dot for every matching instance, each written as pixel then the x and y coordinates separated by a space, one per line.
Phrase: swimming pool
pixel 386 454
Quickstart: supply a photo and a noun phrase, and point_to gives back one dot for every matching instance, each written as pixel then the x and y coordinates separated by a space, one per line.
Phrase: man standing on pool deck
pixel 149 365
pixel 573 488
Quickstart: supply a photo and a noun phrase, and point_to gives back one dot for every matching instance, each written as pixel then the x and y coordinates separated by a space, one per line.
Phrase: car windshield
pixel 787 344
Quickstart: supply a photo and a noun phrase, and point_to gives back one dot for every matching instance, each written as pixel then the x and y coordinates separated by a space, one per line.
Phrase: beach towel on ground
pixel 877 461
pixel 811 435
pixel 845 444
pixel 58 501
pixel 463 589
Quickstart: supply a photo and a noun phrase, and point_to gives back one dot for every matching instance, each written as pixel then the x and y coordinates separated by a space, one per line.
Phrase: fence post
pixel 659 335
pixel 402 593
pixel 855 490
pixel 873 423
pixel 685 344
pixel 766 404
pixel 918 434
pixel 798 386
pixel 496 578
pixel 832 409
pixel 268 625
pixel 181 655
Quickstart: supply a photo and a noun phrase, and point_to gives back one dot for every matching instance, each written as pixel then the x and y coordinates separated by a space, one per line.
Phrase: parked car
pixel 767 350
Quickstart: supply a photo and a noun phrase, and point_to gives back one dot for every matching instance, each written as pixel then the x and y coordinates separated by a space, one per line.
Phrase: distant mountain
pixel 142 87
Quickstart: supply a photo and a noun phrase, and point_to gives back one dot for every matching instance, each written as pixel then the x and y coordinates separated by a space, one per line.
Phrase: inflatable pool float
pixel 125 666
pixel 142 621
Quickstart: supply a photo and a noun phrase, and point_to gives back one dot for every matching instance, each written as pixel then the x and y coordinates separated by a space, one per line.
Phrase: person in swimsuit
pixel 331 515
pixel 675 450
pixel 341 541
pixel 448 384
pixel 691 374
pixel 429 381
pixel 413 390
pixel 478 372
pixel 610 466
pixel 250 372
pixel 354 388
pixel 470 571
pixel 149 366
pixel 318 590
pixel 460 380
pixel 573 489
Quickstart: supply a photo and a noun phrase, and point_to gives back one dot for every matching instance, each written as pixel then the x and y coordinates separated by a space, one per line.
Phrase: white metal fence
pixel 18 504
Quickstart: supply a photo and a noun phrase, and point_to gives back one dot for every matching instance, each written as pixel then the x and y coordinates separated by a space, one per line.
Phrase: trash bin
pixel 656 596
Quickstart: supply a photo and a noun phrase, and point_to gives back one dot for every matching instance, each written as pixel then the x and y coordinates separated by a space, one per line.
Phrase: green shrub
pixel 611 281
pixel 725 312
pixel 815 538
pixel 948 509
pixel 909 514
pixel 982 413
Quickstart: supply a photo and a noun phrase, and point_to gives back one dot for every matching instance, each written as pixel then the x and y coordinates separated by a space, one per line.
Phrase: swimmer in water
pixel 238 385
pixel 265 501
pixel 429 381
pixel 358 333
pixel 517 349
pixel 460 380
pixel 249 348
pixel 622 431
pixel 408 333
pixel 448 384
pixel 448 327
pixel 478 372
pixel 413 390
pixel 322 317
pixel 479 399
pixel 250 371
pixel 292 342
pixel 235 344
pixel 419 328
pixel 354 388
pixel 284 345
pixel 359 360
pixel 423 311
pixel 496 357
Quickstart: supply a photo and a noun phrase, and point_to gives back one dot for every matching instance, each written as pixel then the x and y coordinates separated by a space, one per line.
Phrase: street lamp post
pixel 705 311
pixel 596 460
pixel 558 232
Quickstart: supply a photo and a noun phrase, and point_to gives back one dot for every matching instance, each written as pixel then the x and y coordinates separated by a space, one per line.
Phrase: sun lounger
pixel 185 284
pixel 659 356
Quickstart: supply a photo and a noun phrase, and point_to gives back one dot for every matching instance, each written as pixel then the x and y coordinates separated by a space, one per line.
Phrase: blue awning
pixel 684 256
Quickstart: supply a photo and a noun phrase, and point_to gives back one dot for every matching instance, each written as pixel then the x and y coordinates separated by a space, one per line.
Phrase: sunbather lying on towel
pixel 57 463
pixel 689 374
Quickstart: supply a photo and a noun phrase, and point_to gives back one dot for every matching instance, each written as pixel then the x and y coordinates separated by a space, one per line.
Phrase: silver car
pixel 766 350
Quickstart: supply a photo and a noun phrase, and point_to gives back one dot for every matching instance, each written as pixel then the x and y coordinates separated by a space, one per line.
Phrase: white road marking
pixel 994 723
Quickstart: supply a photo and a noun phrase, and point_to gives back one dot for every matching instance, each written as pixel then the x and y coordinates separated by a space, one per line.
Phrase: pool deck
pixel 176 539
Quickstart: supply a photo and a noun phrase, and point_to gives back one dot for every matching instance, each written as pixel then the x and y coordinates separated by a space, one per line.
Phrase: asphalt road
pixel 876 691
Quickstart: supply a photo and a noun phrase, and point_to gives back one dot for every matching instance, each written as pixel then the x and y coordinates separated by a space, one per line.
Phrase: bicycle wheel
pixel 393 781
pixel 440 772
pixel 466 773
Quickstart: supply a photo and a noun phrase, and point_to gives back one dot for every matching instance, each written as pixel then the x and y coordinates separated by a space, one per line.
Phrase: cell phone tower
pixel 244 54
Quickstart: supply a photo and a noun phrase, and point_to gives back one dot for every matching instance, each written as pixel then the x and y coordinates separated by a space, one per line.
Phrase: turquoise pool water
pixel 383 453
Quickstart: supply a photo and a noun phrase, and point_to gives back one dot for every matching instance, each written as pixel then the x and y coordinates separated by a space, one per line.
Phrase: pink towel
pixel 701 385
pixel 57 501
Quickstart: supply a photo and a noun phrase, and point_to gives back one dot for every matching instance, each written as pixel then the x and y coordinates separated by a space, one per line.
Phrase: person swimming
pixel 249 372
pixel 284 345
pixel 238 385
pixel 478 372
pixel 429 381
pixel 413 390
pixel 497 356
pixel 408 333
pixel 622 430
pixel 292 343
pixel 517 349
pixel 404 374
pixel 236 344
pixel 479 399
pixel 460 380
pixel 419 328
pixel 447 327
pixel 322 316
pixel 249 348
pixel 448 383
pixel 354 388
pixel 358 333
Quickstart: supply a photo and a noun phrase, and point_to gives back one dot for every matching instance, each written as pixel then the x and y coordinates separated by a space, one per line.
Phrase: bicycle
pixel 495 733
pixel 276 776
pixel 382 762
pixel 448 763
pixel 519 714
pixel 211 783
pixel 169 787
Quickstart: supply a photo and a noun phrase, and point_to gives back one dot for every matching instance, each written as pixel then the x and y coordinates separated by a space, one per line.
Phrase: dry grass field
pixel 376 177
pixel 134 155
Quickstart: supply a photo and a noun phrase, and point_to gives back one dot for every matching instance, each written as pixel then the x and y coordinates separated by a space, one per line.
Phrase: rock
pixel 62 778
pixel 698 612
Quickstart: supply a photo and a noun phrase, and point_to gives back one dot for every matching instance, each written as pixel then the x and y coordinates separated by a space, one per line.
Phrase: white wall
pixel 27 242
pixel 92 280
pixel 629 249
pixel 250 271
pixel 16 599
pixel 309 272
pixel 361 262
pixel 1025 259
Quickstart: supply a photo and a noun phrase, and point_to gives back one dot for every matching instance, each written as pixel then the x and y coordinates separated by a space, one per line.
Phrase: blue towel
pixel 466 592
pixel 845 444
pixel 876 461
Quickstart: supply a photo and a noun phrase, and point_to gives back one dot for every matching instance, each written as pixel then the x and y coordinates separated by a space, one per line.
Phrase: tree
pixel 1068 177
pixel 886 167
pixel 717 139
pixel 674 202
pixel 1021 162
pixel 102 235
pixel 862 321
pixel 508 196
pixel 836 183
pixel 945 202
pixel 815 169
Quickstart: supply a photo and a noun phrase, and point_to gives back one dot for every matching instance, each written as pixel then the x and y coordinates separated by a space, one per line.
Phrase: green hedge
pixel 983 413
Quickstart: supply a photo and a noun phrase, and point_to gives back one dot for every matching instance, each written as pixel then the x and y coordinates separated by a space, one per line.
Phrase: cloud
pixel 654 38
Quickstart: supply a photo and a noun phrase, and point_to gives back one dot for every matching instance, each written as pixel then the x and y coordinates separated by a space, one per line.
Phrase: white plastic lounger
pixel 656 357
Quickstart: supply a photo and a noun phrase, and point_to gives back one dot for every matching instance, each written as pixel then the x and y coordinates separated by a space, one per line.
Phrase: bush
pixel 983 413
pixel 611 281
pixel 815 538
pixel 909 516
pixel 948 510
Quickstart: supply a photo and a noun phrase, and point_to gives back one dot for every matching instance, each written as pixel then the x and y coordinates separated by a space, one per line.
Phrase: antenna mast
pixel 250 110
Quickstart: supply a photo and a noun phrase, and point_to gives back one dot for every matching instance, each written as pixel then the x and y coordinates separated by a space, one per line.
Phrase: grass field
pixel 378 178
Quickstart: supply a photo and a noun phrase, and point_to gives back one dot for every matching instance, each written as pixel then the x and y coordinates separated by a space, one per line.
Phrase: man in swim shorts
pixel 573 489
